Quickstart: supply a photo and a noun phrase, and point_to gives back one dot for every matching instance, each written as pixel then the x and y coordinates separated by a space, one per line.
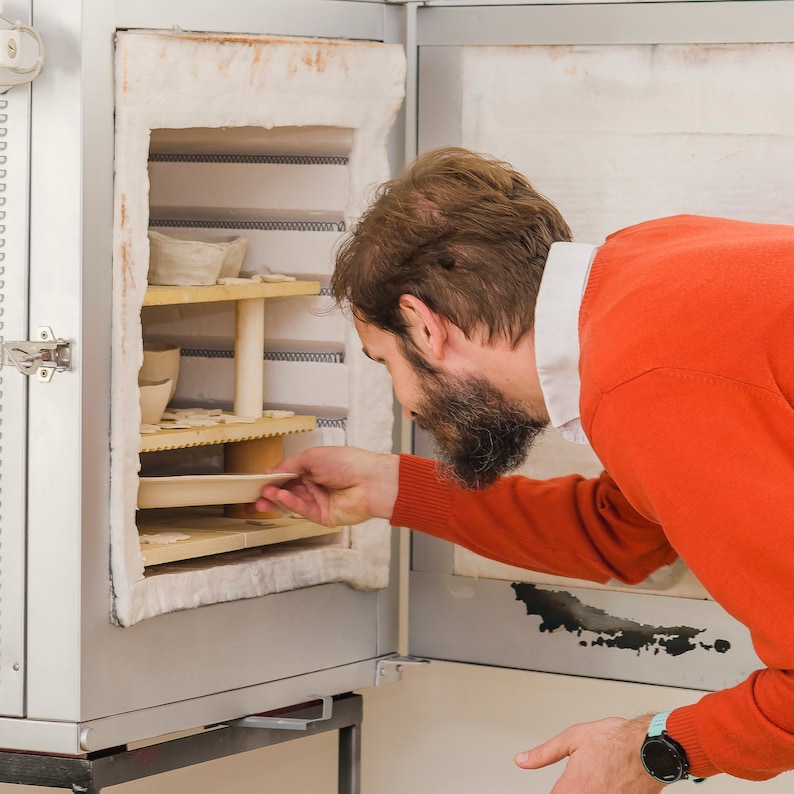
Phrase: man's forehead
pixel 374 341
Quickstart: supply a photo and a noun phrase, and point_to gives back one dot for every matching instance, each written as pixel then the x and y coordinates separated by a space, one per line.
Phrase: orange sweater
pixel 687 367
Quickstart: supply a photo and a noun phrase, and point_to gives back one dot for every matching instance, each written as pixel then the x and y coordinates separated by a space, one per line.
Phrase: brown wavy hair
pixel 463 232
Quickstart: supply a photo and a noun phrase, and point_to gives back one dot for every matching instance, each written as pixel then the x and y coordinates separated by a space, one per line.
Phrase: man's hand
pixel 336 486
pixel 603 758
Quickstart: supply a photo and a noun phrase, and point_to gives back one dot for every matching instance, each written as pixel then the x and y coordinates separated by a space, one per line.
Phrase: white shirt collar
pixel 557 334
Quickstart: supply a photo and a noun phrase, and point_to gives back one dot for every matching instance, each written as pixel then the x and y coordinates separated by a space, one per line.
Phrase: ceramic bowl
pixel 160 361
pixel 154 398
pixel 233 258
pixel 183 263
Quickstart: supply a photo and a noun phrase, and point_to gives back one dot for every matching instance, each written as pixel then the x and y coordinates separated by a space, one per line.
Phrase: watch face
pixel 662 760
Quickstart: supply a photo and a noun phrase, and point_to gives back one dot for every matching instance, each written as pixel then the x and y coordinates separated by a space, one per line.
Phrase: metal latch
pixel 286 723
pixel 389 670
pixel 43 356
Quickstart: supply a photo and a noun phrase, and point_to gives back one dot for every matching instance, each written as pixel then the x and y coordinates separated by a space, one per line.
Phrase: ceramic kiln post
pixel 249 354
pixel 252 457
pixel 257 455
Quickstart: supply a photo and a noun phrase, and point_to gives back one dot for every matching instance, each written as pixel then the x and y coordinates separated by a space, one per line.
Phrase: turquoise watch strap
pixel 658 724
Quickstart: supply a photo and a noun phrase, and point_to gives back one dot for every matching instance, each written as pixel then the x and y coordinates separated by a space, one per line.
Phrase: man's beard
pixel 480 434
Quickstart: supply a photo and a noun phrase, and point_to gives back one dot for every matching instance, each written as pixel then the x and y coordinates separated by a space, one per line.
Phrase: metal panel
pixel 71 228
pixel 14 197
pixel 223 647
pixel 323 18
pixel 653 639
pixel 612 23
pixel 439 97
pixel 68 738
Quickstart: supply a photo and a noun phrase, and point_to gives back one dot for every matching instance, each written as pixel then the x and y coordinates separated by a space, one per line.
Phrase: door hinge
pixel 389 669
pixel 42 357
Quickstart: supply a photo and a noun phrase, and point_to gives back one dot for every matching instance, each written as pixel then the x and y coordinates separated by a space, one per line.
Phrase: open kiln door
pixel 275 142
pixel 619 114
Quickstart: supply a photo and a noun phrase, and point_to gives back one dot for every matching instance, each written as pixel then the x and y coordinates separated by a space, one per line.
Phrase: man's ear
pixel 427 328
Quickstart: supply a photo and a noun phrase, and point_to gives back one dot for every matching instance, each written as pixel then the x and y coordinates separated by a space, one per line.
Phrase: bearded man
pixel 669 347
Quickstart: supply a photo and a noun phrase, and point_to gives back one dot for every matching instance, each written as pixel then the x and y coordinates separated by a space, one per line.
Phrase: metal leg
pixel 350 759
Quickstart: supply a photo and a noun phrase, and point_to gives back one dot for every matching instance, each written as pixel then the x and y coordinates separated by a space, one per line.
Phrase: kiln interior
pixel 212 146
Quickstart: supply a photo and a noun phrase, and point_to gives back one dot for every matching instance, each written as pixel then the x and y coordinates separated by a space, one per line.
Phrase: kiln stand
pixel 93 772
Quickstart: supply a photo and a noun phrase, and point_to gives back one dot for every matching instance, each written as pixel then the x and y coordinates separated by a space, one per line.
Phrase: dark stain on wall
pixel 559 609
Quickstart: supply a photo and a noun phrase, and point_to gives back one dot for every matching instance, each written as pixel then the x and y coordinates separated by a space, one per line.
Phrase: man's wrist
pixel 664 758
pixel 385 477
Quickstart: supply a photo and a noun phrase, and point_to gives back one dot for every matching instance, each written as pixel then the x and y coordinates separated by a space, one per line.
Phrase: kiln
pixel 273 121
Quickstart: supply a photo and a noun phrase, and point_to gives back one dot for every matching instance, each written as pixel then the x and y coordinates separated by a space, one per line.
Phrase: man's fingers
pixel 550 752
pixel 280 499
pixel 566 743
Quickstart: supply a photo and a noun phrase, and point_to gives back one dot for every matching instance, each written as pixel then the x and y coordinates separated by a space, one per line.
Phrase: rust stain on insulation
pixel 315 55
pixel 127 270
pixel 128 279
pixel 255 40
pixel 559 610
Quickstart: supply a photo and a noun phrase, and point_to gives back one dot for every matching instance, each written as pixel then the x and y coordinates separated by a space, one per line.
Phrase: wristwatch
pixel 663 758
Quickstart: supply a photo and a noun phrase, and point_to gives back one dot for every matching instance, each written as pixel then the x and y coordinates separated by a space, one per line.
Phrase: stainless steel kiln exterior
pixel 70 680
